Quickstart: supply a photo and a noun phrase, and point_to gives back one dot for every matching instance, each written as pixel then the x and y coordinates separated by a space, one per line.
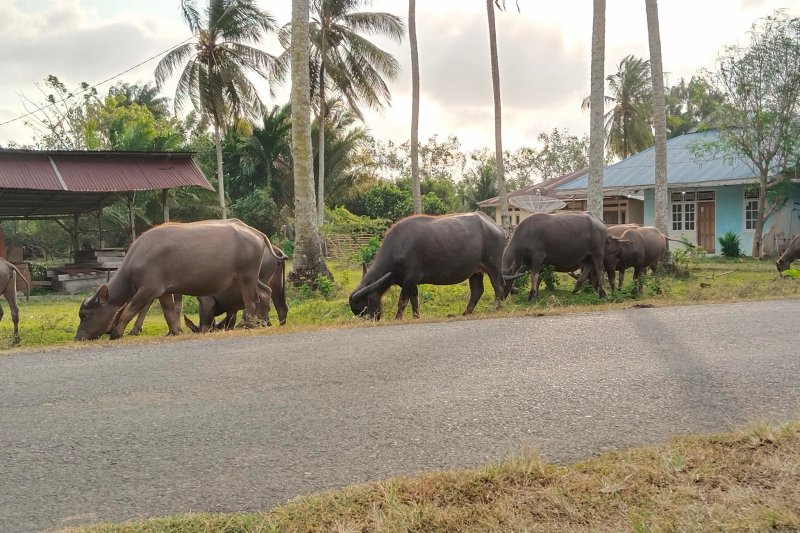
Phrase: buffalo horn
pixel 369 288
pixel 512 277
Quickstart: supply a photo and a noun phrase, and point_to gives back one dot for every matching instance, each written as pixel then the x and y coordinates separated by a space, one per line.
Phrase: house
pixel 709 194
pixel 617 208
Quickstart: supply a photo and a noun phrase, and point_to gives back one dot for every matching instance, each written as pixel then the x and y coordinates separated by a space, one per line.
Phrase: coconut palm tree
pixel 596 133
pixel 308 262
pixel 629 122
pixel 344 60
pixel 498 127
pixel 416 195
pixel 217 62
pixel 659 116
pixel 265 154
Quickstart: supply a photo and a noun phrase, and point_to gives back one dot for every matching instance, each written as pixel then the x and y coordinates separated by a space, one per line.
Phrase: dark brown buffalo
pixel 609 257
pixel 8 287
pixel 565 240
pixel 198 258
pixel 435 250
pixel 791 253
pixel 229 302
pixel 640 248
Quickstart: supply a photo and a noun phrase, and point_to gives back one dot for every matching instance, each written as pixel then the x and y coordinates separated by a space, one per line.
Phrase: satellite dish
pixel 533 203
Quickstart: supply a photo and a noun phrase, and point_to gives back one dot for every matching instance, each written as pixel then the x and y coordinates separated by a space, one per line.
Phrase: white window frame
pixel 682 200
pixel 750 196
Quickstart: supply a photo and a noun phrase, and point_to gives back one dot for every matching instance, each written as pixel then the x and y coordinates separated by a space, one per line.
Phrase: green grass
pixel 51 320
pixel 744 480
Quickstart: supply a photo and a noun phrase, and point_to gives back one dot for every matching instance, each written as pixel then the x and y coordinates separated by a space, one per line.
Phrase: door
pixel 706 226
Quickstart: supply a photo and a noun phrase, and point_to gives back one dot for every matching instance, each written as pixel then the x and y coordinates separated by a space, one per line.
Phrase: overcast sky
pixel 544 55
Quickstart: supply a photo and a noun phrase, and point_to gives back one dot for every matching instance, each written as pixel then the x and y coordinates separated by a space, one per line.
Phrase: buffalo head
pixel 366 299
pixel 97 315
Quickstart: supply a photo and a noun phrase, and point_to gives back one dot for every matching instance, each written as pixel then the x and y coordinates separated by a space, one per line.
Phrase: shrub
pixel 367 252
pixel 38 271
pixel 549 276
pixel 731 244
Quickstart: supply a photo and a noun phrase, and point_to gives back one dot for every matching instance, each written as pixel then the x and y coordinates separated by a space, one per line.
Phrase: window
pixel 677 217
pixel 751 199
pixel 688 210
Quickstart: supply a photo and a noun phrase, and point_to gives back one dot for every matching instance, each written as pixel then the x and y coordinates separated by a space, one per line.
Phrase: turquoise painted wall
pixel 730 215
pixel 649 207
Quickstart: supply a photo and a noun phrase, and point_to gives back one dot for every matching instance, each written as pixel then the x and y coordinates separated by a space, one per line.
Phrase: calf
pixel 791 253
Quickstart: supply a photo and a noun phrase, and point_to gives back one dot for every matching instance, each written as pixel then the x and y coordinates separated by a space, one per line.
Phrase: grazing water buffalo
pixel 440 250
pixel 8 287
pixel 564 240
pixel 229 301
pixel 791 253
pixel 639 249
pixel 609 257
pixel 198 258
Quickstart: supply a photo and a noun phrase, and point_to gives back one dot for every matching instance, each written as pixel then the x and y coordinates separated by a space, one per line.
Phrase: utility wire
pixel 88 88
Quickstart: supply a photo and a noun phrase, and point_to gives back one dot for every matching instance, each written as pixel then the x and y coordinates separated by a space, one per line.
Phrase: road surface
pixel 116 433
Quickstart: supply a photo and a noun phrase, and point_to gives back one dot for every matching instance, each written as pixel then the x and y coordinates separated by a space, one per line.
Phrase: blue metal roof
pixel 683 166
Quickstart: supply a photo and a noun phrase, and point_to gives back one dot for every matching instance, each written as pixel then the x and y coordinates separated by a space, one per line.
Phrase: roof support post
pixel 165 204
pixel 75 238
pixel 131 216
pixel 101 228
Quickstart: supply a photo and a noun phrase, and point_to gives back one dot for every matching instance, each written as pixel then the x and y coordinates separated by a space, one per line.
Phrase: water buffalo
pixel 791 253
pixel 8 287
pixel 639 249
pixel 564 240
pixel 229 301
pixel 197 258
pixel 439 250
pixel 609 257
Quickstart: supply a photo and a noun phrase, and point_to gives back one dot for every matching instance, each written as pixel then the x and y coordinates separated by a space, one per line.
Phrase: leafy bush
pixel 367 252
pixel 686 258
pixel 731 244
pixel 340 221
pixel 549 276
pixel 387 201
pixel 38 271
pixel 433 205
pixel 260 211
pixel 324 285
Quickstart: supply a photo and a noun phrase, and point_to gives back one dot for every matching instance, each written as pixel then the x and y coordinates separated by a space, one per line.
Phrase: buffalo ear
pixel 102 294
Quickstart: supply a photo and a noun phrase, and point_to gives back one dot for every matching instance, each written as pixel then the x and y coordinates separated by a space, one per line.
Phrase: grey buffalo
pixel 564 240
pixel 197 258
pixel 229 302
pixel 791 253
pixel 8 287
pixel 440 250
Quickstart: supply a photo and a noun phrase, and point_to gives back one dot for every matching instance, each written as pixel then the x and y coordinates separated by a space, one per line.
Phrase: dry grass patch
pixel 746 480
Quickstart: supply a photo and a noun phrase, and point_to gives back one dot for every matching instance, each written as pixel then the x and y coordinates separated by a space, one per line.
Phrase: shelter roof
pixel 41 184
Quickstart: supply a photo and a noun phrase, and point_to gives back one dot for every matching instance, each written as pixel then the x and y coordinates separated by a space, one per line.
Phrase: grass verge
pixel 745 480
pixel 51 320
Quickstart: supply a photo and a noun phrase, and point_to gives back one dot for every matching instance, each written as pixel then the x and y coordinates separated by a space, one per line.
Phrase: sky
pixel 544 53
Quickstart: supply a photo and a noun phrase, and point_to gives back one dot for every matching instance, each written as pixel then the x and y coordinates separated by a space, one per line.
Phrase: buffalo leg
pixel 11 296
pixel 279 302
pixel 535 281
pixel 135 306
pixel 402 301
pixel 250 288
pixel 621 276
pixel 610 273
pixel 597 273
pixel 475 291
pixel 499 288
pixel 637 278
pixel 171 314
pixel 415 302
pixel 137 326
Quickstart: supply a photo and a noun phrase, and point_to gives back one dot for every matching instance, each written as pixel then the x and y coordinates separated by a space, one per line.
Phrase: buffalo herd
pixel 230 266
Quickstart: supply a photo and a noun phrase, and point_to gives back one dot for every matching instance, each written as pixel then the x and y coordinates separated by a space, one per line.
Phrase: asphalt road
pixel 115 433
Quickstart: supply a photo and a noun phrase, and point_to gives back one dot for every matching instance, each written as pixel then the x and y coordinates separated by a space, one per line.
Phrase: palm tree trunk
pixel 505 220
pixel 321 145
pixel 220 177
pixel 596 131
pixel 416 193
pixel 758 231
pixel 307 262
pixel 659 115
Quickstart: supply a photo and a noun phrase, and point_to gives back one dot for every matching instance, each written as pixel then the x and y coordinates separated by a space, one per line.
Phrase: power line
pixel 85 89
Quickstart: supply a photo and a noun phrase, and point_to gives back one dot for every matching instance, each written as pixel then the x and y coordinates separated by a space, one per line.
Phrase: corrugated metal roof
pixel 683 167
pixel 98 171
